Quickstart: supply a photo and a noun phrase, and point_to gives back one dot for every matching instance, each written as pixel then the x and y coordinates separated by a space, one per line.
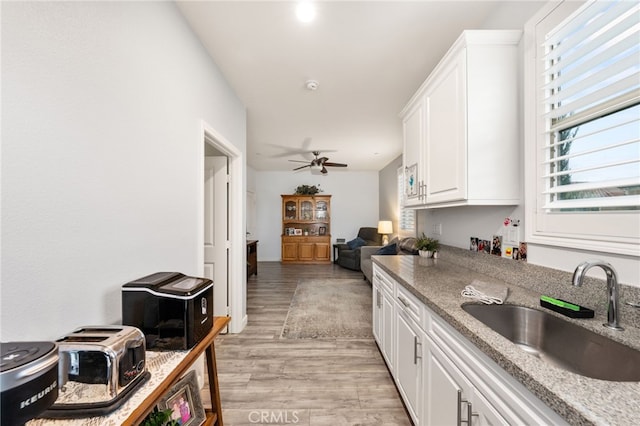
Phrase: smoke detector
pixel 312 84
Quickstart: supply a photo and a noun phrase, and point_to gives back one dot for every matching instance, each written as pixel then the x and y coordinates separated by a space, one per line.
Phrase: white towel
pixel 487 293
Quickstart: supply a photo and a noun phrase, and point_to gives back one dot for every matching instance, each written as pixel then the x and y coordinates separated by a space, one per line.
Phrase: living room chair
pixel 349 253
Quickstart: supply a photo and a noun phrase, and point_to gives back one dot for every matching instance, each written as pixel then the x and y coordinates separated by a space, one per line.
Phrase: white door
pixel 216 231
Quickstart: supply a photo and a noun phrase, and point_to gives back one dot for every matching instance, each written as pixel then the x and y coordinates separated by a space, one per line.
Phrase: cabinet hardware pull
pixel 459 416
pixel 404 302
pixel 378 298
pixel 470 412
pixel 416 357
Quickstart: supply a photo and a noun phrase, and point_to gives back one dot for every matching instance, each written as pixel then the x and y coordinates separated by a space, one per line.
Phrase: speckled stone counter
pixel 580 400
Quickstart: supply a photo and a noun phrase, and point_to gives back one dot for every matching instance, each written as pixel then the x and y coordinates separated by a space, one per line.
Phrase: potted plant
pixel 427 247
pixel 160 418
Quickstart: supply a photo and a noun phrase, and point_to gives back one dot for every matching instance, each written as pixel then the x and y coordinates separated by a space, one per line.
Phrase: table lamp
pixel 385 227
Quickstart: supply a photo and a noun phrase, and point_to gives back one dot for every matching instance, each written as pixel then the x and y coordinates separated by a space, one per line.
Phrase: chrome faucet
pixel 613 314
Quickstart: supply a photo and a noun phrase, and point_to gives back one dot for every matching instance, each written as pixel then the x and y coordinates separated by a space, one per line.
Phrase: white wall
pixel 102 105
pixel 389 193
pixel 354 203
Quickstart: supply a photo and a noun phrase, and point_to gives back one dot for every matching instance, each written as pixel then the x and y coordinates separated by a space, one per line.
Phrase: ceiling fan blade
pixel 335 164
pixel 322 160
pixel 324 171
pixel 302 167
pixel 298 161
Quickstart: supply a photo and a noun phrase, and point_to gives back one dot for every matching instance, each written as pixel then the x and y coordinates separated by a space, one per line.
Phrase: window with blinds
pixel 582 126
pixel 591 99
pixel 406 217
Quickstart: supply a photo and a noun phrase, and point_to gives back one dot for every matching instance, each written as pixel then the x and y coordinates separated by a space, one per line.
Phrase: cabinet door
pixel 321 210
pixel 306 209
pixel 446 134
pixel 290 209
pixel 289 251
pixel 306 251
pixel 408 363
pixel 413 133
pixel 377 315
pixel 386 329
pixel 443 405
pixel 452 398
pixel 322 251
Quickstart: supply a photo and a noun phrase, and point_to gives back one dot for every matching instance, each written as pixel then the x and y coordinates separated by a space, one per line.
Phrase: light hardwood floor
pixel 268 380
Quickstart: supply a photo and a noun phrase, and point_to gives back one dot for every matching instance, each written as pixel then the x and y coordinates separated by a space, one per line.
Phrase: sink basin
pixel 561 342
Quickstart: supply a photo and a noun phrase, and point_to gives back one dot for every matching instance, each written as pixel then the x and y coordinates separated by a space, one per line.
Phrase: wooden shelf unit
pixel 145 398
pixel 306 229
pixel 206 345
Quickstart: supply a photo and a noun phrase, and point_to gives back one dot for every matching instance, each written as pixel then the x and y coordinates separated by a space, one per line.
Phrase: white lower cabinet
pixel 442 377
pixel 451 399
pixel 409 363
pixel 383 315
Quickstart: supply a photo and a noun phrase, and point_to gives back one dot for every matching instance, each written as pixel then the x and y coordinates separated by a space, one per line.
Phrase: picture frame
pixel 322 230
pixel 183 399
pixel 411 180
pixel 298 231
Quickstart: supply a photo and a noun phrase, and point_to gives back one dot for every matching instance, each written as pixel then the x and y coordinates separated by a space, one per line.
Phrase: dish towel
pixel 487 293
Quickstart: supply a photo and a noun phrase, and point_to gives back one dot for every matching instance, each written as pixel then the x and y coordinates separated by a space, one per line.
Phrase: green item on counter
pixel 560 303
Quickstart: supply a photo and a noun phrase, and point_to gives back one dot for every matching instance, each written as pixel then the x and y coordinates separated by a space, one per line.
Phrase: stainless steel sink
pixel 560 342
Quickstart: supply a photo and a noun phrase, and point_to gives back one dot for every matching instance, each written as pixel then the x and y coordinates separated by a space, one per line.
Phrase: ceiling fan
pixel 318 163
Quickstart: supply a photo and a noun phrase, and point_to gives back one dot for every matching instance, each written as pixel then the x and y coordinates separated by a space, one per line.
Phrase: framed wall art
pixel 410 181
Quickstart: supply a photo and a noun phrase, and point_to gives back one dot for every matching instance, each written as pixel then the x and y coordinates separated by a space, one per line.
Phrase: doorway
pixel 222 226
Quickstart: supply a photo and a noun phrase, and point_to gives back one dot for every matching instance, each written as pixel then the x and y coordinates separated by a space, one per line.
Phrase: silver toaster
pixel 99 367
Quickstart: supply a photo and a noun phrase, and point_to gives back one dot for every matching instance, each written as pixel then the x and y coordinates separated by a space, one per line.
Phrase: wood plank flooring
pixel 316 382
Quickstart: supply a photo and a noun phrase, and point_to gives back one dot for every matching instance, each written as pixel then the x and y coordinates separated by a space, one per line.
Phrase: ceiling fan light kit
pixel 318 164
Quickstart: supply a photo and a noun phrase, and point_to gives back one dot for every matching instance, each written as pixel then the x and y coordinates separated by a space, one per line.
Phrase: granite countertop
pixel 578 399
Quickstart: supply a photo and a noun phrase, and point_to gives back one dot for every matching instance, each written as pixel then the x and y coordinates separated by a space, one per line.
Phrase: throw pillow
pixel 387 250
pixel 355 243
pixel 409 245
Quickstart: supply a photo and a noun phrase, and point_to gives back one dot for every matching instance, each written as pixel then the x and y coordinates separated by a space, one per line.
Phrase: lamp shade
pixel 385 227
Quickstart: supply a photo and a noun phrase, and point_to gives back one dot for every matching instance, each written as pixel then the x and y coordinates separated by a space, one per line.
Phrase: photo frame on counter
pixel 322 230
pixel 183 399
pixel 298 231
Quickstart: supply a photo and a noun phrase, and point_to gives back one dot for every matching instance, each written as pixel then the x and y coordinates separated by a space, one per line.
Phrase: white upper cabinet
pixel 461 129
pixel 413 131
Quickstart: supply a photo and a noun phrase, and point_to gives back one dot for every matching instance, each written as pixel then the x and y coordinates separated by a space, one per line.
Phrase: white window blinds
pixel 591 104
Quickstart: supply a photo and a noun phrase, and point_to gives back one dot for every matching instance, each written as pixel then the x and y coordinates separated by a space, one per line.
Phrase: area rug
pixel 329 308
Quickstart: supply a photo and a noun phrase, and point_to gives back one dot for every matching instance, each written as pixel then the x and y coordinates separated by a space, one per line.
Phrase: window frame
pixel 612 232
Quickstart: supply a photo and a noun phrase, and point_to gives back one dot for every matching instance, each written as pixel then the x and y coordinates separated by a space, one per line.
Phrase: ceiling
pixel 368 57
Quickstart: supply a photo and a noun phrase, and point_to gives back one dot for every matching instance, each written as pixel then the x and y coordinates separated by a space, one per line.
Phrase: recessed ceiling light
pixel 305 11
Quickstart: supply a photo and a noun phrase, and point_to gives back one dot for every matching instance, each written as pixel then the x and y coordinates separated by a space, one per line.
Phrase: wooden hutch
pixel 306 228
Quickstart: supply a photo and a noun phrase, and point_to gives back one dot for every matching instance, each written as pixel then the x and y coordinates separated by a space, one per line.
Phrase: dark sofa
pixel 350 257
pixel 403 246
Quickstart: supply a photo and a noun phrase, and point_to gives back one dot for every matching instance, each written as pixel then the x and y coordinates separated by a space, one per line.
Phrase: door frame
pixel 236 218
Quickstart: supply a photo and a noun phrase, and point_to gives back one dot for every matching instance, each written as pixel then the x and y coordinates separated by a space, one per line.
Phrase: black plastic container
pixel 173 311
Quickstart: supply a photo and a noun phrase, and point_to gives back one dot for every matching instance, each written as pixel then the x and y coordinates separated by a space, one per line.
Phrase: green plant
pixel 425 243
pixel 160 418
pixel 307 190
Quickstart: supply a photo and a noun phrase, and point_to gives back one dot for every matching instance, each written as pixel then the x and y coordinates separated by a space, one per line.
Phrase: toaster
pixel 98 369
